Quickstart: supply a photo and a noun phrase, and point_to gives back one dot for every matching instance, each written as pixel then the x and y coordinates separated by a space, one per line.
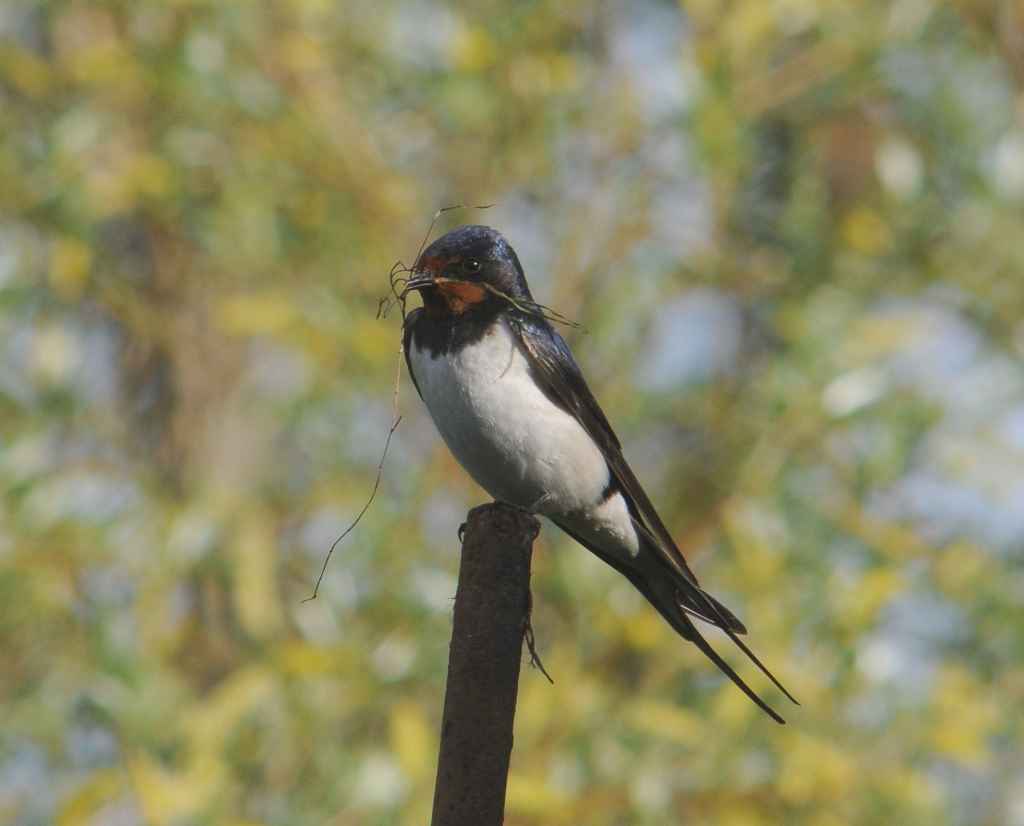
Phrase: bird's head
pixel 472 268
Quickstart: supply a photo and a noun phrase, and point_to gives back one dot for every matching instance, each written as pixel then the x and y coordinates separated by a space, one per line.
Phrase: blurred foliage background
pixel 792 230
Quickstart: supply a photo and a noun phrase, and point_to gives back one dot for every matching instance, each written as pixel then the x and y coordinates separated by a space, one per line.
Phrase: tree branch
pixel 491 616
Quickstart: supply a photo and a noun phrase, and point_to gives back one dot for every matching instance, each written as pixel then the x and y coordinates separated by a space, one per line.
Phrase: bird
pixel 513 407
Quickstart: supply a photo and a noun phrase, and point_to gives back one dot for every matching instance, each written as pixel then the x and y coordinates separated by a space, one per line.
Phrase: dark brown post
pixel 491 613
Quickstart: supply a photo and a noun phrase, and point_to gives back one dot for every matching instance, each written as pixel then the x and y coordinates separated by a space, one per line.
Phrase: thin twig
pixel 396 418
pixel 534 308
pixel 384 305
pixel 535 661
pixel 525 306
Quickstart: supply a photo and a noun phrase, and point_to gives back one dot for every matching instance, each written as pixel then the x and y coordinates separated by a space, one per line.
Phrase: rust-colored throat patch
pixel 460 296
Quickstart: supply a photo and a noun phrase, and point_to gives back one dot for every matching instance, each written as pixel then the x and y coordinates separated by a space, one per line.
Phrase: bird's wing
pixel 562 380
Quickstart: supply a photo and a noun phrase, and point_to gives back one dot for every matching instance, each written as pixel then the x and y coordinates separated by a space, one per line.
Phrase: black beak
pixel 419 281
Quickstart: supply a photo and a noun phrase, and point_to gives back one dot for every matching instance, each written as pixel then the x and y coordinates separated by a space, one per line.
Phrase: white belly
pixel 517 444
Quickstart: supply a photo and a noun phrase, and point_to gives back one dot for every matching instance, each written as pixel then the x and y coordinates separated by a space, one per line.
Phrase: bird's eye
pixel 471 265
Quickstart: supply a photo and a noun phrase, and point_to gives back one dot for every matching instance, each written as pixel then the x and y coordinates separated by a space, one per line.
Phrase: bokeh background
pixel 793 233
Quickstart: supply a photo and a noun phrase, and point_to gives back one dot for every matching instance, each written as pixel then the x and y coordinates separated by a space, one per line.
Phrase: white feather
pixel 515 442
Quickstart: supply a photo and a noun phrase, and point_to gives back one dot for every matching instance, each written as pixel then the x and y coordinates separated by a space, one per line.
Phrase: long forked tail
pixel 676 599
pixel 721 617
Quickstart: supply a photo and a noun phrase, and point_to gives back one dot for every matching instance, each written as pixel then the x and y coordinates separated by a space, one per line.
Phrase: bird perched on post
pixel 513 407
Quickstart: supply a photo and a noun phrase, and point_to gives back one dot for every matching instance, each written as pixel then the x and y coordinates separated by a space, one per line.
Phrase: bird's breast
pixel 503 429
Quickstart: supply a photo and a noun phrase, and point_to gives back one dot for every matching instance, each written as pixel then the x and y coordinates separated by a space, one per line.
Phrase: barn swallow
pixel 513 407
